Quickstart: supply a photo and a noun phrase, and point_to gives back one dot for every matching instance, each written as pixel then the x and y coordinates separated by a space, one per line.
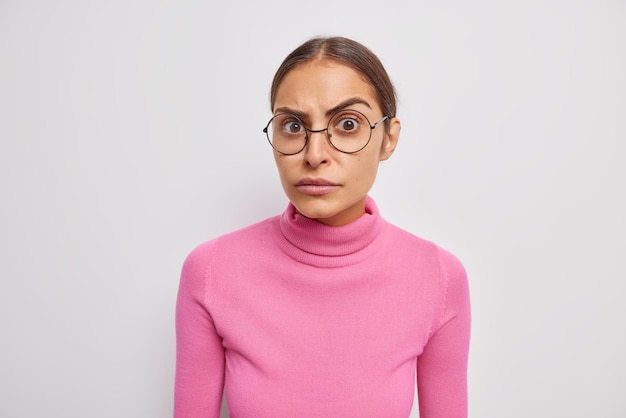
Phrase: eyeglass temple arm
pixel 379 122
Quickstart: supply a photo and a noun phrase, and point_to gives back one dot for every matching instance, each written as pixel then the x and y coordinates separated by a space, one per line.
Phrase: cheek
pixel 364 170
pixel 286 170
pixel 280 165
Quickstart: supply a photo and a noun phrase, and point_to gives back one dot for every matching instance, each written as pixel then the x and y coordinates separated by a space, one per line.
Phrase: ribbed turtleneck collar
pixel 317 244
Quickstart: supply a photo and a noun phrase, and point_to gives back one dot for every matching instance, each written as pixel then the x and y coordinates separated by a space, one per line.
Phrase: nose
pixel 317 148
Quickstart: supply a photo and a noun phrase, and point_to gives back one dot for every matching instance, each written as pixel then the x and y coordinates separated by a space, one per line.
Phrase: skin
pixel 312 89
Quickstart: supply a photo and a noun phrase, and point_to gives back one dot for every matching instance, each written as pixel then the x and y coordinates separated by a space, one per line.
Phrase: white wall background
pixel 130 131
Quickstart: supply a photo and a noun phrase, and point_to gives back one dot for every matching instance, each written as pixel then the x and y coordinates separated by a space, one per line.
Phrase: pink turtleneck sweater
pixel 298 319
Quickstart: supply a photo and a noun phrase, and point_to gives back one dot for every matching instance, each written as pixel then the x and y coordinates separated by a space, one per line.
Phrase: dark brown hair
pixel 344 51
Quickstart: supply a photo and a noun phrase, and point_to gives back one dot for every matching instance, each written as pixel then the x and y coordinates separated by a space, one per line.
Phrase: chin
pixel 327 213
pixel 314 211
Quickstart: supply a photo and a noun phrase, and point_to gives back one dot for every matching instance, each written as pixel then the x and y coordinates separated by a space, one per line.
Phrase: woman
pixel 326 310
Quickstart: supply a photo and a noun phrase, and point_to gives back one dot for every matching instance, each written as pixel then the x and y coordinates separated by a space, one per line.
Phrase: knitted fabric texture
pixel 296 318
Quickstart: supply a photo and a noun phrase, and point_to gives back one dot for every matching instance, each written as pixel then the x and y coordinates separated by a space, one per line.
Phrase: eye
pixel 293 127
pixel 347 123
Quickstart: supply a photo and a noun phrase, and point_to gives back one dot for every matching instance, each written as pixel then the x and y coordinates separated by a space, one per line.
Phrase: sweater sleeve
pixel 442 366
pixel 199 352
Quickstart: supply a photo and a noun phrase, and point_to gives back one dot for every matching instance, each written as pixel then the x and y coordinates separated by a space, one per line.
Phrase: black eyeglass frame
pixel 328 134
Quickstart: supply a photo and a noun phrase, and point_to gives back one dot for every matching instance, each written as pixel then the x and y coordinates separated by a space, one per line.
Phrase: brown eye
pixel 347 124
pixel 293 127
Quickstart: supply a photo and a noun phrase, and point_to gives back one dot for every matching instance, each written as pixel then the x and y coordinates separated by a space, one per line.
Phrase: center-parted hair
pixel 347 52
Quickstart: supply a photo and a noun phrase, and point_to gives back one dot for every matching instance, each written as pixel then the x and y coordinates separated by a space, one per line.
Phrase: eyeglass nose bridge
pixel 313 131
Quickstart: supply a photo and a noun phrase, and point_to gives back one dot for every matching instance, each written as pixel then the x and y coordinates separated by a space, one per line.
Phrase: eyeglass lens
pixel 348 131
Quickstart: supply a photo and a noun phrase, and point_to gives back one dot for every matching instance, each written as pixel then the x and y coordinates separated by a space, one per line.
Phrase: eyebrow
pixel 346 103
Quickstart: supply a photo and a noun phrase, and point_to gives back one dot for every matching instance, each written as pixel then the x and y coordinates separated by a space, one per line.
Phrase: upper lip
pixel 315 182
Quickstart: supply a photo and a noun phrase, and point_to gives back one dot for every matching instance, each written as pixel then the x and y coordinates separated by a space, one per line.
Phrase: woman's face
pixel 322 183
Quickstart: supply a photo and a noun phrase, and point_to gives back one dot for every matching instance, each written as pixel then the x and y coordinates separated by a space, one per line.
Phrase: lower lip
pixel 316 190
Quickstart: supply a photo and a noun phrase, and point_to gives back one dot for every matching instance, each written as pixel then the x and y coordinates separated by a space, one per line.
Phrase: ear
pixel 390 141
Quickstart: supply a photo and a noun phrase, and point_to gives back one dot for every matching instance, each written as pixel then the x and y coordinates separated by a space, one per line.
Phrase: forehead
pixel 321 84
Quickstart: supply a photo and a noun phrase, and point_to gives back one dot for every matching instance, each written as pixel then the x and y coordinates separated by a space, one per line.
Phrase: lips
pixel 316 187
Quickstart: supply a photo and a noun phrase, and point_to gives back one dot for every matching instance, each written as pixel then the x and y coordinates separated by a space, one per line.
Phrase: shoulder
pixel 447 265
pixel 223 252
pixel 233 242
pixel 401 237
pixel 447 274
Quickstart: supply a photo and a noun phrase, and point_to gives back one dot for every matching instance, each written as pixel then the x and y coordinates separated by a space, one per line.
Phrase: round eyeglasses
pixel 348 131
